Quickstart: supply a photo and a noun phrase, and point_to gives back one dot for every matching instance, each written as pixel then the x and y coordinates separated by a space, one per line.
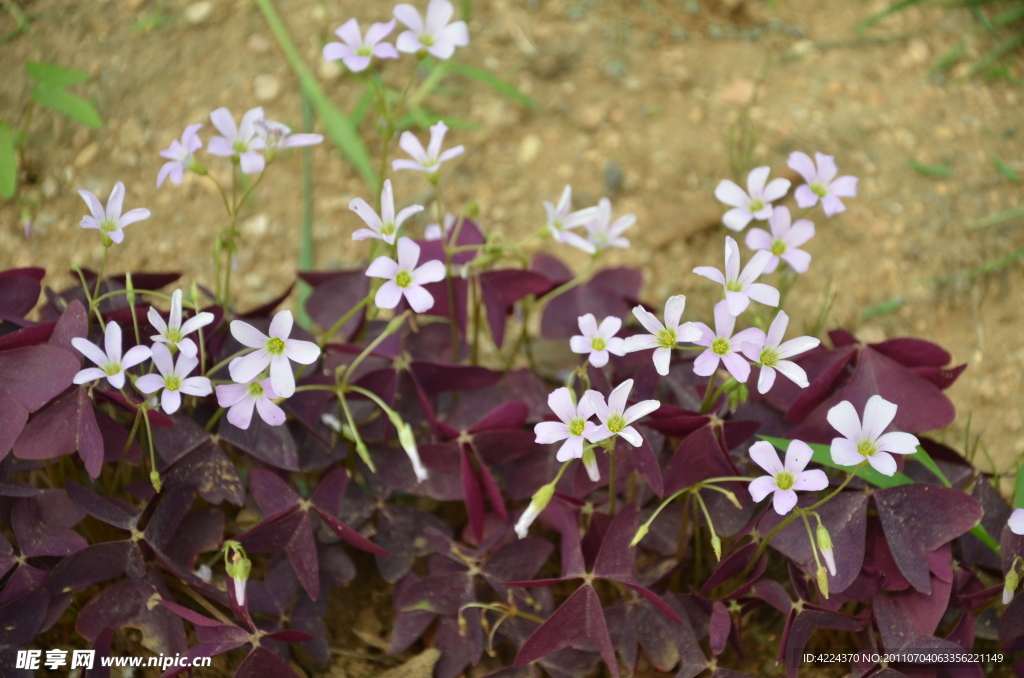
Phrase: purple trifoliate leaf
pixel 272 445
pixel 29 378
pixel 67 426
pixel 500 290
pixel 335 294
pixel 42 524
pixel 109 511
pixel 210 472
pixel 96 563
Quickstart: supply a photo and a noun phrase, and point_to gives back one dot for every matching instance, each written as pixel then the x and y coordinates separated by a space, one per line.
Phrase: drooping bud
pixel 408 440
pixel 129 289
pixel 154 478
pixel 825 546
pixel 640 534
pixel 540 500
pixel 590 464
pixel 823 580
pixel 716 544
pixel 1010 585
pixel 237 566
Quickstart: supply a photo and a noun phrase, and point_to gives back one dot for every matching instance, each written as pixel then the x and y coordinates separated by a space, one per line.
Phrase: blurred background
pixel 648 102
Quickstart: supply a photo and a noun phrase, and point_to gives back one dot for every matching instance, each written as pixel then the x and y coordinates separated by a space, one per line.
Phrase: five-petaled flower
pixel 784 479
pixel 755 202
pixel 663 338
pixel 772 354
pixel 866 441
pixel 574 426
pixel 241 398
pixel 783 241
pixel 356 51
pixel 433 33
pixel 175 332
pixel 404 279
pixel 615 417
pixel 275 351
pixel 277 136
pixel 561 221
pixel 425 160
pixel 241 142
pixel 110 363
pixel 603 233
pixel 822 182
pixel 180 155
pixel 173 379
pixel 384 227
pixel 723 346
pixel 597 340
pixel 739 286
pixel 110 222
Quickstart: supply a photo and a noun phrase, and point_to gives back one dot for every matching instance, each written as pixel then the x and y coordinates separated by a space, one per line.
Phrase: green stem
pixel 611 480
pixel 710 395
pixel 219 366
pixel 99 276
pixel 371 347
pixel 336 327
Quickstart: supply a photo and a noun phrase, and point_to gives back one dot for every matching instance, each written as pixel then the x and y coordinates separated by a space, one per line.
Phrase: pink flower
pixel 615 417
pixel 179 155
pixel 603 233
pixel 384 227
pixel 110 222
pixel 822 182
pixel 573 428
pixel 723 346
pixel 662 338
pixel 173 379
pixel 355 51
pixel 239 143
pixel 784 480
pixel 598 341
pixel 771 355
pixel 436 231
pixel 755 202
pixel 561 221
pixel 867 440
pixel 242 398
pixel 405 279
pixel 1016 521
pixel 429 160
pixel 275 351
pixel 433 34
pixel 740 288
pixel 783 241
pixel 111 364
pixel 174 332
pixel 276 136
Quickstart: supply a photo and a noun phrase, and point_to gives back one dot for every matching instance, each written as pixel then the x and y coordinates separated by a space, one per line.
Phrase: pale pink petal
pixel 844 187
pixel 172 169
pixel 112 341
pixel 550 432
pixel 754 267
pixel 764 455
pixel 366 213
pixel 117 236
pixel 170 401
pixel 580 344
pixel 805 197
pixel 732 258
pixel 357 63
pixel 711 273
pixel 811 481
pixel 619 396
pixel 843 418
pixel 598 405
pixel 382 267
pixel 883 462
pixel 599 358
pixel 793 372
pixel 336 51
pixel 737 218
pixel 408 42
pixel 419 298
pixel 736 302
pixel 737 366
pixel 116 380
pixel 408 254
pixel 704 366
pixel 231 394
pixel 247 335
pixel 797 346
pixel 388 295
pixel 572 448
pixel 439 13
pixel 453 152
pixel 95 206
pixel 756 181
pixel 609 327
pixel 631 436
pixel 456 33
pixel 798 260
pixel 240 414
pixel 132 216
pixel 616 346
pixel 437 133
pixel 302 352
pixel 765 380
pixel 578 242
pixel 689 332
pixel 802 231
pixel 826 167
pixel 728 192
pixel 725 322
pixel 844 452
pixel 349 32
pixel 269 412
pixel 115 202
pixel 406 213
pixel 89 350
pixel 162 359
pixel 759 239
pixel 281 376
pixel 761 487
pixel 92 374
pixel 784 501
pixel 197 386
pixel 1016 521
pixel 378 32
pixel 248 367
pixel 662 360
pixel 803 165
pixel 898 443
pixel 674 308
pixel 776 189
pixel 647 319
pixel 762 293
pixel 149 383
pixel 777 330
pixel 411 145
pixel 773 264
pixel 225 124
pixel 430 272
pixel 195 322
pixel 588 325
pixel 638 342
pixel 832 205
pixel 585 409
pixel 281 325
pixel 220 146
pixel 878 414
pixel 251 162
pixel 798 455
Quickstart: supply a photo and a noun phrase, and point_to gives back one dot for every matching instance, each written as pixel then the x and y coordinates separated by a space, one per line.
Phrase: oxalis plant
pixel 174 464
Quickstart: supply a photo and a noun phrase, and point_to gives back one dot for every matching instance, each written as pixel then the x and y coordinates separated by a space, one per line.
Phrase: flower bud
pixel 540 500
pixel 408 440
pixel 823 580
pixel 716 544
pixel 825 546
pixel 237 567
pixel 590 463
pixel 395 324
pixel 640 534
pixel 1010 585
pixel 154 478
pixel 129 289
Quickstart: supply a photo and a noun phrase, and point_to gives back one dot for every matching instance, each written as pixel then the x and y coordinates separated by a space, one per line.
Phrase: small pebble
pixel 529 148
pixel 266 87
pixel 87 155
pixel 198 12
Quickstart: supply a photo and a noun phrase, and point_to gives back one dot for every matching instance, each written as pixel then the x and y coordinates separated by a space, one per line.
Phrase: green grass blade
pixel 53 75
pixel 8 162
pixel 362 105
pixel 875 18
pixel 930 170
pixel 1003 169
pixel 822 455
pixel 1018 489
pixel 996 219
pixel 494 81
pixel 884 308
pixel 306 236
pixel 74 107
pixel 339 128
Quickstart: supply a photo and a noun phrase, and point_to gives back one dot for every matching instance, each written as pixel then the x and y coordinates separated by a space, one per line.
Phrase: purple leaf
pixel 21 620
pixel 721 625
pixel 898 633
pixel 913 352
pixel 657 636
pixel 262 663
pixel 200 531
pixel 924 611
pixel 268 308
pixel 32 335
pixel 66 426
pixel 42 524
pixel 458 650
pixel 271 493
pixel 799 630
pixel 110 511
pixel 211 473
pixel 645 459
pixel 473 494
pixel 500 290
pixel 611 292
pixel 163 523
pixel 174 442
pixel 579 620
pixel 436 378
pixel 121 605
pixel 73 322
pixel 96 563
pixel 349 535
pixel 909 517
pixel 29 378
pixel 19 292
pixel 292 533
pixel 272 445
pixel 399 532
pixel 824 370
pixel 995 512
pixel 336 295
pixel 409 624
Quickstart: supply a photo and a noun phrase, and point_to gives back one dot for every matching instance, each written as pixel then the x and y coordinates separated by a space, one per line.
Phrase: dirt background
pixel 635 100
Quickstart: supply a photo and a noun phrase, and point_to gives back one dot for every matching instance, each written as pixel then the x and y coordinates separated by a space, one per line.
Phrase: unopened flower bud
pixel 590 463
pixel 823 580
pixel 237 566
pixel 540 500
pixel 129 289
pixel 1010 585
pixel 205 573
pixel 154 478
pixel 395 324
pixel 825 546
pixel 331 421
pixel 408 440
pixel 640 534
pixel 716 544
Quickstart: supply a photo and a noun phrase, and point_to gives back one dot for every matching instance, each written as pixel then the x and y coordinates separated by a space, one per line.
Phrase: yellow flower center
pixel 733 286
pixel 784 480
pixel 255 390
pixel 720 346
pixel 576 426
pixel 275 346
pixel 387 228
pixel 364 51
pixel 756 205
pixel 427 40
pixel 666 338
pixel 867 448
pixel 108 225
pixel 403 279
pixel 172 382
pixel 112 368
pixel 778 247
pixel 819 189
pixel 174 334
pixel 769 357
pixel 616 423
pixel 598 344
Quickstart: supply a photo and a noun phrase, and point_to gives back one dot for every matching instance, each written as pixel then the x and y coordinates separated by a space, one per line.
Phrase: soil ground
pixel 636 100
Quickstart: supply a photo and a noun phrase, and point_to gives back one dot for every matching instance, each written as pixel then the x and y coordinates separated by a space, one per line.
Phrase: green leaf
pixel 338 126
pixel 823 455
pixel 1003 169
pixel 8 162
pixel 74 107
pixel 494 81
pixel 1018 489
pixel 930 170
pixel 52 75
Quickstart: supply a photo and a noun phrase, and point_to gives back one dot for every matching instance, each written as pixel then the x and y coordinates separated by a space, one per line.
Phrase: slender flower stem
pixel 710 396
pixel 145 293
pixel 371 347
pixel 611 480
pixel 99 276
pixel 215 418
pixel 336 327
pixel 219 366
